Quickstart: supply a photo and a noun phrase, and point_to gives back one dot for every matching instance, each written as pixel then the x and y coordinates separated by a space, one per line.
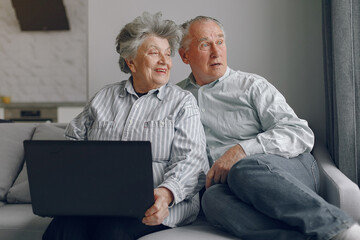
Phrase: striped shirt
pixel 243 108
pixel 169 118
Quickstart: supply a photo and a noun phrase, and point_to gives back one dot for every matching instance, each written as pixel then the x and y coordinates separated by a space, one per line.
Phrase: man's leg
pixel 223 209
pixel 284 189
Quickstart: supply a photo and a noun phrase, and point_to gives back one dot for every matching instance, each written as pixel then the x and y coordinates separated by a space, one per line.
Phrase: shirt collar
pixel 226 74
pixel 191 78
pixel 129 88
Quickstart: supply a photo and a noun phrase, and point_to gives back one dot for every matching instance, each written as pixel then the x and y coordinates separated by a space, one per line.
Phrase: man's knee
pixel 208 198
pixel 211 201
pixel 245 170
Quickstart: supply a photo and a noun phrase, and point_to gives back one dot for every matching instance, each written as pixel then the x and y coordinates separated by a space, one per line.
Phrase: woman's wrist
pixel 167 194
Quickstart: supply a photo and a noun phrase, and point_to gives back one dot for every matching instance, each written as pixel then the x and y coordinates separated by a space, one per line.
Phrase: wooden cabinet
pixel 40 112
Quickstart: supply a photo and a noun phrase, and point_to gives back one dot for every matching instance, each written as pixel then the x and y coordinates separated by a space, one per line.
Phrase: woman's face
pixel 150 68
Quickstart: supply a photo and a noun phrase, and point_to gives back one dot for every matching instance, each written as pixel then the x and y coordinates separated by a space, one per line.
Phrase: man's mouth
pixel 215 64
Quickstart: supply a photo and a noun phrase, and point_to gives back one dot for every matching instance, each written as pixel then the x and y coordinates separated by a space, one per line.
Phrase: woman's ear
pixel 183 55
pixel 131 65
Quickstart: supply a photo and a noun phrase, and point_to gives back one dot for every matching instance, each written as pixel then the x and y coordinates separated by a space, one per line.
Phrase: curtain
pixel 341 38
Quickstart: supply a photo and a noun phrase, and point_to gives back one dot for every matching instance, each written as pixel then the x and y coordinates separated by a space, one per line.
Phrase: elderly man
pixel 263 180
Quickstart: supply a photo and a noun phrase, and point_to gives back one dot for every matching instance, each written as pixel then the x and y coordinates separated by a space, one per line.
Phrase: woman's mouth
pixel 160 70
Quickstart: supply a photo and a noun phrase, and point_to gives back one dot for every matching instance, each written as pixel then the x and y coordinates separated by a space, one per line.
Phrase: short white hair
pixel 134 33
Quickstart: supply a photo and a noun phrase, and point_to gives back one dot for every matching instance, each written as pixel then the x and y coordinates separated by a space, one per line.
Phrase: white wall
pixel 278 39
pixel 44 66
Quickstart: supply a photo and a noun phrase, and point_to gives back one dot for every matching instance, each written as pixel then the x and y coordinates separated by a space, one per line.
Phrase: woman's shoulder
pixel 183 97
pixel 115 85
pixel 173 89
pixel 112 87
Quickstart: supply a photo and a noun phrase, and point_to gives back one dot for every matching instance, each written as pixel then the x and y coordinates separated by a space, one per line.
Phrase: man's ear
pixel 183 55
pixel 131 65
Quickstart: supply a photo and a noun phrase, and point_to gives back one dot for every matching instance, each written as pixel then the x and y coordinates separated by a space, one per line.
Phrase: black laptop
pixel 90 178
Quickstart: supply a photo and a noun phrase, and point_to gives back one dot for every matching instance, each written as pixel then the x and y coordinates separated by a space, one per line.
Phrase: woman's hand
pixel 156 214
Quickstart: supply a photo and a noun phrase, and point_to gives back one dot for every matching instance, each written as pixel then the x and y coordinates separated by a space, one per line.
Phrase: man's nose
pixel 215 51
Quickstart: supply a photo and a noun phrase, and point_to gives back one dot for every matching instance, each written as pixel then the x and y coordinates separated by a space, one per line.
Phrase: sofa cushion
pixel 48 131
pixel 199 230
pixel 12 152
pixel 18 222
pixel 19 192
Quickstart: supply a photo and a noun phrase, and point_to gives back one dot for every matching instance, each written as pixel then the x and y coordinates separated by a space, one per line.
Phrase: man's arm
pixel 283 133
pixel 219 171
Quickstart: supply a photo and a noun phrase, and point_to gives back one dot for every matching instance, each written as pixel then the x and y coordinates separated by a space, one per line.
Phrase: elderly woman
pixel 145 107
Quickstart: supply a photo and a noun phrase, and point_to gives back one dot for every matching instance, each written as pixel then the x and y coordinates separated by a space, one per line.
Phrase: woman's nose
pixel 162 58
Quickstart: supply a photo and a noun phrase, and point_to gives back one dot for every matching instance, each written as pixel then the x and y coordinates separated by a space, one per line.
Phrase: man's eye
pixel 154 53
pixel 220 42
pixel 204 45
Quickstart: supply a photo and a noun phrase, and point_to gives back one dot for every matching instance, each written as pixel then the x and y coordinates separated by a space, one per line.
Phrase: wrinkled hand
pixel 219 171
pixel 156 214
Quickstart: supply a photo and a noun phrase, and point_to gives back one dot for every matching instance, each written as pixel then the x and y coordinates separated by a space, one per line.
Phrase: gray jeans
pixel 271 197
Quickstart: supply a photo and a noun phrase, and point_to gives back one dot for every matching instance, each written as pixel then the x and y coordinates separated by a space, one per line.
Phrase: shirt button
pixel 203 109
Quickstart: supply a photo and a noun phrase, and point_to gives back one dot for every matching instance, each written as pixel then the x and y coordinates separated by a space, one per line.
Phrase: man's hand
pixel 156 214
pixel 219 171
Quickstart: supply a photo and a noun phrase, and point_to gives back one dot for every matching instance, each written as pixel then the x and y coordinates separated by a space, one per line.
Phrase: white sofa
pixel 17 221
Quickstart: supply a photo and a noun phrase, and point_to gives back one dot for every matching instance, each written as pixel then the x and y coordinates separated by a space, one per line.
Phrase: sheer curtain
pixel 341 36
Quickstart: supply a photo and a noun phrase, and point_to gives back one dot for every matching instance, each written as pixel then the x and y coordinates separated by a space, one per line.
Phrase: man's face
pixel 207 52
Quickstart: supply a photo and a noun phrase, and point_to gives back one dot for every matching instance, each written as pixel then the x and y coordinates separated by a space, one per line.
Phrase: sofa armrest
pixel 335 187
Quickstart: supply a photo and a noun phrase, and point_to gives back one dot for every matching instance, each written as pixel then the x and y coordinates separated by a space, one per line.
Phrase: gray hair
pixel 185 41
pixel 134 33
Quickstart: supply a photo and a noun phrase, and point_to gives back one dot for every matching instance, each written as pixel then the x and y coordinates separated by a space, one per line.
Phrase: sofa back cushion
pixel 20 192
pixel 12 136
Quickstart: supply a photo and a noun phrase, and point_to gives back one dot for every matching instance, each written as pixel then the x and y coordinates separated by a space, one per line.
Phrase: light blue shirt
pixel 243 108
pixel 168 117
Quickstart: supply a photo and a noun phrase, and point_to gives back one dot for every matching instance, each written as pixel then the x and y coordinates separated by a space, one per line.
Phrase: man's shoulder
pixel 238 74
pixel 184 83
pixel 245 78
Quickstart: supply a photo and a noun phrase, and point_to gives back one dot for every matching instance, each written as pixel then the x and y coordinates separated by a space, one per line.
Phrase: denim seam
pixel 327 234
pixel 313 166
